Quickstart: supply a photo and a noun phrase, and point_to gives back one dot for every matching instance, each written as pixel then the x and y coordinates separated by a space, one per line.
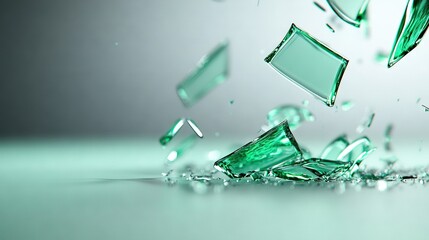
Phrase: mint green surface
pixel 351 11
pixel 273 148
pixel 211 71
pixel 309 64
pixel 413 26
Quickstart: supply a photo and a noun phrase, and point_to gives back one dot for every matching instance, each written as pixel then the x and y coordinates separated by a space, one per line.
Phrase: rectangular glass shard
pixel 195 128
pixel 350 11
pixel 211 71
pixel 309 64
pixel 413 26
pixel 273 148
pixel 172 131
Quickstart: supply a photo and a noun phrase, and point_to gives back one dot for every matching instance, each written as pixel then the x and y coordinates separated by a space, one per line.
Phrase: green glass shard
pixel 306 154
pixel 184 146
pixel 334 149
pixel 356 152
pixel 413 26
pixel 366 123
pixel 319 6
pixel 273 148
pixel 350 11
pixel 174 129
pixel 381 56
pixel 294 115
pixel 330 28
pixel 426 108
pixel 195 128
pixel 388 137
pixel 347 105
pixel 313 169
pixel 211 71
pixel 309 64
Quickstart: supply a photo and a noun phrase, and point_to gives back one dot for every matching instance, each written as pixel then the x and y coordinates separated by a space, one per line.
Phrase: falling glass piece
pixel 388 137
pixel 366 123
pixel 356 152
pixel 334 149
pixel 183 146
pixel 309 64
pixel 347 105
pixel 294 115
pixel 194 127
pixel 313 169
pixel 381 56
pixel 413 26
pixel 273 148
pixel 211 71
pixel 330 28
pixel 319 6
pixel 350 11
pixel 174 129
pixel 426 108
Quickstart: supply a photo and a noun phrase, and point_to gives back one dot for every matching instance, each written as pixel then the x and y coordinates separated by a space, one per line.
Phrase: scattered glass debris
pixel 330 28
pixel 426 108
pixel 319 6
pixel 194 127
pixel 388 137
pixel 174 129
pixel 334 149
pixel 347 105
pixel 184 146
pixel 211 71
pixel 367 123
pixel 309 64
pixel 350 11
pixel 294 115
pixel 273 148
pixel 413 26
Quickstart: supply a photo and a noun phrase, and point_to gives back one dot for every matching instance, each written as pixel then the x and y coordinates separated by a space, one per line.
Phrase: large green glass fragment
pixel 172 131
pixel 211 71
pixel 273 148
pixel 309 64
pixel 334 149
pixel 294 115
pixel 350 11
pixel 411 30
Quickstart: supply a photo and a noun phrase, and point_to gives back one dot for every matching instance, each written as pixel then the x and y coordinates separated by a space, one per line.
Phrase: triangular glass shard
pixel 309 64
pixel 411 30
pixel 273 148
pixel 294 115
pixel 211 71
pixel 350 11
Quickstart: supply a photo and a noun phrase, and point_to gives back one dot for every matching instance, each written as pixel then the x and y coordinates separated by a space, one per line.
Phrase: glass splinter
pixel 426 108
pixel 347 105
pixel 294 115
pixel 366 124
pixel 319 6
pixel 413 26
pixel 309 64
pixel 330 28
pixel 356 152
pixel 174 129
pixel 273 148
pixel 185 145
pixel 194 127
pixel 350 11
pixel 211 71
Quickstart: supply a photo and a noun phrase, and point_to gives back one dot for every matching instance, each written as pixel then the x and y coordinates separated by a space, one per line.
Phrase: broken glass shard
pixel 347 105
pixel 194 127
pixel 294 115
pixel 330 28
pixel 381 56
pixel 183 146
pixel 313 169
pixel 366 123
pixel 334 149
pixel 356 152
pixel 319 6
pixel 413 26
pixel 309 64
pixel 273 148
pixel 426 108
pixel 388 137
pixel 174 129
pixel 211 71
pixel 350 11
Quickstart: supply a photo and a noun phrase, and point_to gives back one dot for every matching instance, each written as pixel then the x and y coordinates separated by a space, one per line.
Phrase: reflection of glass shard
pixel 174 129
pixel 294 115
pixel 273 148
pixel 211 71
pixel 185 145
pixel 351 11
pixel 411 30
pixel 309 64
pixel 194 127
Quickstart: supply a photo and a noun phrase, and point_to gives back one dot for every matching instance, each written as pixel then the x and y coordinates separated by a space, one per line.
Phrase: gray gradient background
pixel 90 68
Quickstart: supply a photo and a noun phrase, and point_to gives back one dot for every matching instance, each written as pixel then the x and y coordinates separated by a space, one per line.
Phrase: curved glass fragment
pixel 411 30
pixel 350 11
pixel 334 149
